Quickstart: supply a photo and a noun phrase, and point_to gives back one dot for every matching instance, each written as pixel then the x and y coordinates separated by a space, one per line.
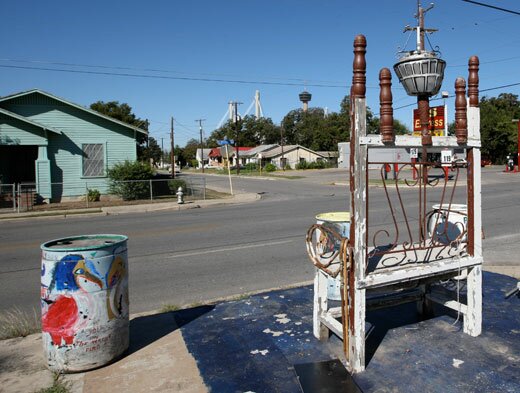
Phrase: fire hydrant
pixel 180 196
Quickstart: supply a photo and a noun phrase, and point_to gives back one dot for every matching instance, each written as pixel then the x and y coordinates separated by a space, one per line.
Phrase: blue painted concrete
pixel 251 346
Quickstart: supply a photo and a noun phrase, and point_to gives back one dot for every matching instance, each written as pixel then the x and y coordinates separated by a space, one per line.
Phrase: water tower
pixel 305 97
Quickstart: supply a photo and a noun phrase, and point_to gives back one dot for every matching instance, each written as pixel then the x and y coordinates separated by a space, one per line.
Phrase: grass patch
pixel 170 308
pixel 58 386
pixel 18 323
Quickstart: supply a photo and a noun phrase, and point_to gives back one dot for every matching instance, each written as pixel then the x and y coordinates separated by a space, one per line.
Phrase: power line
pixel 123 74
pixel 153 70
pixel 492 6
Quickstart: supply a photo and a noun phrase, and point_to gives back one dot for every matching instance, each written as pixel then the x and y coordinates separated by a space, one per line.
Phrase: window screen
pixel 93 160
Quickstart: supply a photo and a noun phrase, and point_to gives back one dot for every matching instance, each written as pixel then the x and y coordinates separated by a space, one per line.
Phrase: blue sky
pixel 286 42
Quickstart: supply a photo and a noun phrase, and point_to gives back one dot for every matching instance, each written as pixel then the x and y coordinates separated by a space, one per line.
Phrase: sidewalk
pixel 264 343
pixel 238 198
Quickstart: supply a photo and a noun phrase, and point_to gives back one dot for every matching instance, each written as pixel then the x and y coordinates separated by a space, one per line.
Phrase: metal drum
pixel 84 301
pixel 451 225
pixel 340 223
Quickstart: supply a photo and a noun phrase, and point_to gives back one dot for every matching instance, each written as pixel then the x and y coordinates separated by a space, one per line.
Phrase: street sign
pixel 226 142
pixel 446 157
pixel 436 121
pixel 414 152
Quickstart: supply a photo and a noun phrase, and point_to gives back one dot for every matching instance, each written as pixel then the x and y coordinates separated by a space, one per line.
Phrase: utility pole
pixel 237 144
pixel 281 144
pixel 172 153
pixel 201 142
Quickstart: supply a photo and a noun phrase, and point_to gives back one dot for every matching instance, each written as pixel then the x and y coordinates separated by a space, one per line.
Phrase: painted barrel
pixel 448 223
pixel 339 222
pixel 84 301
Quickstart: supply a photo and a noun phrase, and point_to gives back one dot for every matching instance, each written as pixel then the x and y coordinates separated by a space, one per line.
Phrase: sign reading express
pixel 437 121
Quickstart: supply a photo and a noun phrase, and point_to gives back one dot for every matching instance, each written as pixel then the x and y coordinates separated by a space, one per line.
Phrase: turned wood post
pixel 473 66
pixel 386 112
pixel 461 117
pixel 359 67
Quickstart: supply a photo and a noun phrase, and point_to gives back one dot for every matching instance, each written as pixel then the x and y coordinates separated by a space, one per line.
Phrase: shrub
pixel 288 167
pixel 174 185
pixel 270 167
pixel 250 166
pixel 93 195
pixel 126 180
pixel 302 165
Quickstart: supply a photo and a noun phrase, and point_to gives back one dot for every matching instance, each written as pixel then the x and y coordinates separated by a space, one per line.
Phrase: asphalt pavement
pixel 181 257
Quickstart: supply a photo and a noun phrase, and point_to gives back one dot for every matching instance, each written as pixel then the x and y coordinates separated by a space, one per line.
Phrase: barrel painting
pixel 84 301
pixel 340 223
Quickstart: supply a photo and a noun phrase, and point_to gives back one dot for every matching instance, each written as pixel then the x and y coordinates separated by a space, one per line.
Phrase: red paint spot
pixel 60 319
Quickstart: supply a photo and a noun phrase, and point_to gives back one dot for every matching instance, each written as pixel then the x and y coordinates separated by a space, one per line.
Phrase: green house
pixel 60 147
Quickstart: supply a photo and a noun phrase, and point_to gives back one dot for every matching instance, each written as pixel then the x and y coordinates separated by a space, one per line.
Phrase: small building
pixel 256 154
pixel 60 147
pixel 291 155
pixel 202 157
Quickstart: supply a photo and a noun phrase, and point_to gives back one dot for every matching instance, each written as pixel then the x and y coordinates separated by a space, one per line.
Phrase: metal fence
pixel 24 197
pixel 8 197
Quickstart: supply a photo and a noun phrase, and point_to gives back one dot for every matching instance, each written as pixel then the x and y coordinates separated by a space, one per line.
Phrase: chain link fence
pixel 24 197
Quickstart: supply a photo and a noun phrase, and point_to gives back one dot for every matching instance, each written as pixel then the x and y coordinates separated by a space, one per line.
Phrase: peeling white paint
pixel 282 318
pixel 227 318
pixel 262 352
pixel 266 297
pixel 297 323
pixel 457 363
pixel 282 296
pixel 274 333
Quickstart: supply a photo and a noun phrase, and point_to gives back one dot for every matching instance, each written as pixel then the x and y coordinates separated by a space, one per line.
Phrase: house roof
pixel 205 153
pixel 286 149
pixel 215 152
pixel 28 121
pixel 328 154
pixel 88 110
pixel 258 149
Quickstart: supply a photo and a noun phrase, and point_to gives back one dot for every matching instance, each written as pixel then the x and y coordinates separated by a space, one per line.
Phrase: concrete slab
pixel 254 345
pixel 258 343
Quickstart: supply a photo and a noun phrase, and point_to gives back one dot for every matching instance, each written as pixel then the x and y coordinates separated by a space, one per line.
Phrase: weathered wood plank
pixel 375 141
pixel 403 274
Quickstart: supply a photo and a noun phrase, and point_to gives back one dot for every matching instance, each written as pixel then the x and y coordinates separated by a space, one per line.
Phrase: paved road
pixel 188 256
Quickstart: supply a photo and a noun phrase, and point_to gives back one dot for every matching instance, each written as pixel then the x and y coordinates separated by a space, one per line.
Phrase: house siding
pixel 65 151
pixel 18 132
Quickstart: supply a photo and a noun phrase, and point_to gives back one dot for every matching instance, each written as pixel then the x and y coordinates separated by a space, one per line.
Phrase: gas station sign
pixel 437 121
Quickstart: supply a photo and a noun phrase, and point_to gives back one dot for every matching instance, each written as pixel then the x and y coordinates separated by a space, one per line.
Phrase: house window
pixel 93 160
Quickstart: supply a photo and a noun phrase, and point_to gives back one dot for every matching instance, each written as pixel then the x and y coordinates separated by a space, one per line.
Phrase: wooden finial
pixel 473 65
pixel 386 112
pixel 359 67
pixel 461 119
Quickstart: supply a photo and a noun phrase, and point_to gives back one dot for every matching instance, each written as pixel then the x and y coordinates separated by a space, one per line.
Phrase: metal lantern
pixel 420 73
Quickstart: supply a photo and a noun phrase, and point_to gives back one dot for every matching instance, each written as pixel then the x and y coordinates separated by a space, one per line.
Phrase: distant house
pixel 291 155
pixel 331 156
pixel 61 147
pixel 255 154
pixel 202 157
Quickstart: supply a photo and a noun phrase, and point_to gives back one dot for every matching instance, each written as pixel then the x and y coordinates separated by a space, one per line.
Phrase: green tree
pixel 498 133
pixel 251 132
pixel 150 151
pixel 190 151
pixel 123 112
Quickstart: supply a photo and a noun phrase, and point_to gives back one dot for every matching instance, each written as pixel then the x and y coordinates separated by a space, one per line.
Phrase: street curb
pixel 140 208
